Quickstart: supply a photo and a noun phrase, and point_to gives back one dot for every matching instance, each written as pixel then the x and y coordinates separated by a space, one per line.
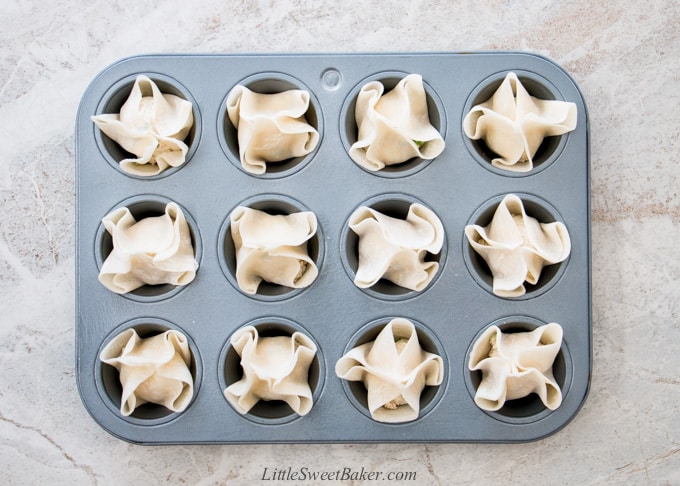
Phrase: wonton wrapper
pixel 274 368
pixel 514 365
pixel 271 127
pixel 395 249
pixel 394 127
pixel 394 369
pixel 152 126
pixel 272 248
pixel 153 369
pixel 156 250
pixel 516 247
pixel 513 123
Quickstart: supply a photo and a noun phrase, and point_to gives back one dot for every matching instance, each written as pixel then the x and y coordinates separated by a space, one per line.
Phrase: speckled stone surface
pixel 624 57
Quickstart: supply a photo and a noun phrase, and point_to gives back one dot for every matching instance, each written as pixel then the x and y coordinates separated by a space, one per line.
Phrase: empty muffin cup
pixel 271 204
pixel 529 408
pixel 393 205
pixel 113 100
pixel 140 207
pixel 270 83
pixel 430 396
pixel 349 130
pixel 231 371
pixel 534 207
pixel 538 87
pixel 108 378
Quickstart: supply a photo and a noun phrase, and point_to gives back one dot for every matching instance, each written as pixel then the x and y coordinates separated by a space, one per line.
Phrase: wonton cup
pixel 274 368
pixel 271 127
pixel 516 246
pixel 513 124
pixel 394 369
pixel 272 248
pixel 152 126
pixel 151 370
pixel 515 365
pixel 394 127
pixel 153 251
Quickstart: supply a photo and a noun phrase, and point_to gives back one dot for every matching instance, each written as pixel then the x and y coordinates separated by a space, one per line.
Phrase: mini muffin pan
pixel 460 186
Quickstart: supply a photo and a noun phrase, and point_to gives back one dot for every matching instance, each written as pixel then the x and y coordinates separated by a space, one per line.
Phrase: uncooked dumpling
pixel 516 246
pixel 513 123
pixel 153 369
pixel 515 365
pixel 395 249
pixel 152 126
pixel 156 250
pixel 274 368
pixel 271 127
pixel 395 370
pixel 394 127
pixel 272 248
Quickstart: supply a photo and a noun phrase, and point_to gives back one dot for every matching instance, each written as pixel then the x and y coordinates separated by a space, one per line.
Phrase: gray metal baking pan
pixel 460 186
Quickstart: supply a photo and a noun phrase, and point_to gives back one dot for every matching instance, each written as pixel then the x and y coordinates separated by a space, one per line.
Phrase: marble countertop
pixel 623 55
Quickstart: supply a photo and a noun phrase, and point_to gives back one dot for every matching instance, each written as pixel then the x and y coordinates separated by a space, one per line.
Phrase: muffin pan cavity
pixel 453 304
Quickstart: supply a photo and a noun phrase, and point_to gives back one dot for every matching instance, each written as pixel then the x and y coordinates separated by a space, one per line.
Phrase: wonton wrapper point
pixel 516 246
pixel 393 372
pixel 153 251
pixel 152 126
pixel 274 368
pixel 271 127
pixel 272 248
pixel 394 127
pixel 395 249
pixel 515 365
pixel 151 370
pixel 513 123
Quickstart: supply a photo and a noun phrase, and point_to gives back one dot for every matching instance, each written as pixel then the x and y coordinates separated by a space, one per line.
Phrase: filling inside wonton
pixel 272 248
pixel 394 127
pixel 513 123
pixel 516 246
pixel 515 365
pixel 395 369
pixel 396 249
pixel 274 368
pixel 271 127
pixel 152 126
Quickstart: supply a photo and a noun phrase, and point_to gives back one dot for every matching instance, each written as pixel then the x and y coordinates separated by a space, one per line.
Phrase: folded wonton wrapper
pixel 156 250
pixel 395 249
pixel 154 369
pixel 514 365
pixel 394 127
pixel 272 248
pixel 274 368
pixel 152 126
pixel 394 369
pixel 513 123
pixel 516 247
pixel 271 127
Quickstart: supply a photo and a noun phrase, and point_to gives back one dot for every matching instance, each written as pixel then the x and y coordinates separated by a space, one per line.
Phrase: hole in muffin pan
pixel 108 380
pixel 349 131
pixel 146 206
pixel 274 204
pixel 113 100
pixel 356 391
pixel 530 408
pixel 271 412
pixel 538 87
pixel 396 206
pixel 269 83
pixel 478 268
